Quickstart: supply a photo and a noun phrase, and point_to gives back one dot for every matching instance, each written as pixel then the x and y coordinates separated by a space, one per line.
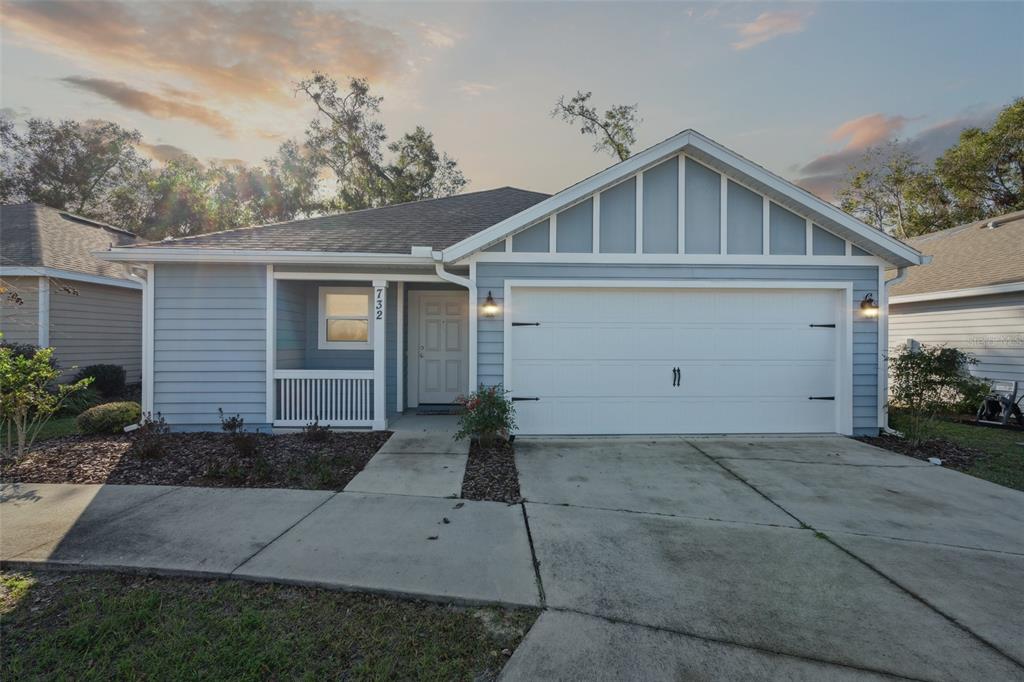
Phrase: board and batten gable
pixel 209 347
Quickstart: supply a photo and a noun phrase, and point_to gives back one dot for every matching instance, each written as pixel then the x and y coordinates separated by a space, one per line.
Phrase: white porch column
pixel 400 345
pixel 380 346
pixel 148 348
pixel 271 344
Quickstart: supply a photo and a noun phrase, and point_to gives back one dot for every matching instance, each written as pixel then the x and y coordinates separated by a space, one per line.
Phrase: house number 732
pixel 379 303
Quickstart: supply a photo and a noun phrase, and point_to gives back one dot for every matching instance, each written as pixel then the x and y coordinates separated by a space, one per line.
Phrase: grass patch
pixel 56 427
pixel 102 626
pixel 1005 462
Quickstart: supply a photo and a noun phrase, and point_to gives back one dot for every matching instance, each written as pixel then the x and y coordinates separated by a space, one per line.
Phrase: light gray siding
pixel 210 344
pixel 788 232
pixel 575 233
pixel 97 324
pixel 703 209
pixel 20 322
pixel 534 239
pixel 290 328
pixel 744 215
pixel 991 328
pixel 492 276
pixel 661 208
pixel 618 218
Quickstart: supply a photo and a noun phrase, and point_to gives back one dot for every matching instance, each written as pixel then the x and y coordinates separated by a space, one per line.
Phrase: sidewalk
pixel 432 548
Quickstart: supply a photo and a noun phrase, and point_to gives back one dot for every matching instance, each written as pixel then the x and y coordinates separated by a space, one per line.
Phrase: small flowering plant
pixel 489 414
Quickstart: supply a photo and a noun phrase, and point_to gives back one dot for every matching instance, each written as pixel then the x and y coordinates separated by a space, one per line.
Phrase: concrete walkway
pixel 428 463
pixel 452 550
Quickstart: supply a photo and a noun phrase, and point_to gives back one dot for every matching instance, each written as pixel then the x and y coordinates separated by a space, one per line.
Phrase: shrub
pixel 29 394
pixel 315 433
pixel 489 413
pixel 150 439
pixel 109 418
pixel 926 383
pixel 235 424
pixel 109 380
pixel 81 401
pixel 244 442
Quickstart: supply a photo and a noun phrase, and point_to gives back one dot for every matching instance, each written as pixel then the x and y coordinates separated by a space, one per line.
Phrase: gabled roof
pixel 969 256
pixel 724 160
pixel 437 223
pixel 37 236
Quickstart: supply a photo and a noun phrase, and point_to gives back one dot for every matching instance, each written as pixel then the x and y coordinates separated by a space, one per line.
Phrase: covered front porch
pixel 356 349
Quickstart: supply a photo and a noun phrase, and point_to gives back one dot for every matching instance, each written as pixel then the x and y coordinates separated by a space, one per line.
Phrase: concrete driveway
pixel 798 558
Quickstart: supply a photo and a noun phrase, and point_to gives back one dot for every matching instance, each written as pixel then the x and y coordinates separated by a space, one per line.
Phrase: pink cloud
pixel 863 132
pixel 768 26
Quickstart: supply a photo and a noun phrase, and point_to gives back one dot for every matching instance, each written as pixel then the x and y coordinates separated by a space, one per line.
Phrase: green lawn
pixel 57 426
pixel 107 626
pixel 1005 463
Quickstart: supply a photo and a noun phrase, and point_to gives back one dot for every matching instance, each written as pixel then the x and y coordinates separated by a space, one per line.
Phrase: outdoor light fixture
pixel 490 308
pixel 868 307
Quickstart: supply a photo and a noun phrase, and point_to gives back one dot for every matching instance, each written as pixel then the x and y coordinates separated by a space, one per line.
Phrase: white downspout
pixel 901 274
pixel 470 284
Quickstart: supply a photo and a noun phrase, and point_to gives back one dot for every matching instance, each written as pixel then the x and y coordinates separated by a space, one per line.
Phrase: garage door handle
pixel 821 397
pixel 516 400
pixel 526 324
pixel 677 376
pixel 830 326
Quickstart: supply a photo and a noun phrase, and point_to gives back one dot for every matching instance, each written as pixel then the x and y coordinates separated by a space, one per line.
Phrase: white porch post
pixel 43 339
pixel 400 355
pixel 380 290
pixel 148 348
pixel 271 344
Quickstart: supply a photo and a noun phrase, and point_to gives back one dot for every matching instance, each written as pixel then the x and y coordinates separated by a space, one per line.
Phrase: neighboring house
pixel 684 290
pixel 970 297
pixel 57 293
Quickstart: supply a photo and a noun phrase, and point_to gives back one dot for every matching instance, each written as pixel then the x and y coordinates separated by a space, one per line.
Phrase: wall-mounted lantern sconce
pixel 868 307
pixel 490 308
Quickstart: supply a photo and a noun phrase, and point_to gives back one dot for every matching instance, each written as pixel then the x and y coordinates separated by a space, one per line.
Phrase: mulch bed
pixel 953 456
pixel 201 459
pixel 491 474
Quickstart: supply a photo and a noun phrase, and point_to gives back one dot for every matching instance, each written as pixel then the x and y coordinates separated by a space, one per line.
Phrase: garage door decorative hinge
pixel 516 400
pixel 526 324
pixel 812 397
pixel 830 326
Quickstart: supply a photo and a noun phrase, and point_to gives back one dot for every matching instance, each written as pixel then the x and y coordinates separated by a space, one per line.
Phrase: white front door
pixel 621 361
pixel 442 351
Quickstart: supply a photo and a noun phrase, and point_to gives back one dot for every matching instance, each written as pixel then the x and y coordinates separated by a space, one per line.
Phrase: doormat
pixel 439 409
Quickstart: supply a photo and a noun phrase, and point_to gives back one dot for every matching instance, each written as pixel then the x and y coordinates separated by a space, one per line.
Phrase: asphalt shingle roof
pixel 32 235
pixel 437 223
pixel 968 256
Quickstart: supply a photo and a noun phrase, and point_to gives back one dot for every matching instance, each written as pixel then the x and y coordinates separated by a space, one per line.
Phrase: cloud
pixel 163 152
pixel 152 105
pixel 248 51
pixel 768 26
pixel 822 175
pixel 437 37
pixel 474 89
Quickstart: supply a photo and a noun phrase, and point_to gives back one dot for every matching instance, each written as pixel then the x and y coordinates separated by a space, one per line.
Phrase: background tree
pixel 348 138
pixel 615 129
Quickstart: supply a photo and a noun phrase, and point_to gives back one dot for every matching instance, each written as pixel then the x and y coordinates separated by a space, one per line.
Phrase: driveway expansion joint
pixel 689 517
pixel 279 535
pixel 533 556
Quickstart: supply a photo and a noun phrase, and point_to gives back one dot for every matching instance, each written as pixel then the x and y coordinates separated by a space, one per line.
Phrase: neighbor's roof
pixel 437 223
pixel 969 256
pixel 37 236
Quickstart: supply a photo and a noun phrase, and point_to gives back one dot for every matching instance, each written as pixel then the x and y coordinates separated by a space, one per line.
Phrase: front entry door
pixel 443 356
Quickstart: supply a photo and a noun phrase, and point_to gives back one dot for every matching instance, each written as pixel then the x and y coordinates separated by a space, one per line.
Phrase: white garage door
pixel 631 361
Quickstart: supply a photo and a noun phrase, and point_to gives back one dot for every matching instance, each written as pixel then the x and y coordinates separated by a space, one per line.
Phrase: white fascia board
pixel 54 273
pixel 959 293
pixel 184 255
pixel 567 197
pixel 904 254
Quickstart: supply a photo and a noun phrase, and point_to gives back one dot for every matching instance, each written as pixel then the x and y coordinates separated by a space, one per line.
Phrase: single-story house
pixel 58 293
pixel 970 297
pixel 684 290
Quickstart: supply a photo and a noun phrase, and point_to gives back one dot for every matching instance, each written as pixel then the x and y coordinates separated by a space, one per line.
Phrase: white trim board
pixel 271 357
pixel 959 293
pixel 703 150
pixel 674 259
pixel 356 276
pixel 43 310
pixel 54 273
pixel 844 337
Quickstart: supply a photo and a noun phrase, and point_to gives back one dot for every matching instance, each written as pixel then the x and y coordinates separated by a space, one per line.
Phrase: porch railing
pixel 330 397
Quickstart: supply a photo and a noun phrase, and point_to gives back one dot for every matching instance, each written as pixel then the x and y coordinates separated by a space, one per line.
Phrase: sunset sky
pixel 800 88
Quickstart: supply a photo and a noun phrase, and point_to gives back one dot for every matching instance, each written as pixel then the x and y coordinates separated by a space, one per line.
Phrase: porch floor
pixel 410 421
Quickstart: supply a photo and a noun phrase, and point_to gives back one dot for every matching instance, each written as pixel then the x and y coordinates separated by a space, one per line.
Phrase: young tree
pixel 347 138
pixel 615 129
pixel 877 186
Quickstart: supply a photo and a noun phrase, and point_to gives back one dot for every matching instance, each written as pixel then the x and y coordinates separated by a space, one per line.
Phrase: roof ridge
pixel 357 211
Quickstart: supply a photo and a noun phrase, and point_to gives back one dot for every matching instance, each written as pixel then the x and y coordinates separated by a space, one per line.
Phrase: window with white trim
pixel 344 319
